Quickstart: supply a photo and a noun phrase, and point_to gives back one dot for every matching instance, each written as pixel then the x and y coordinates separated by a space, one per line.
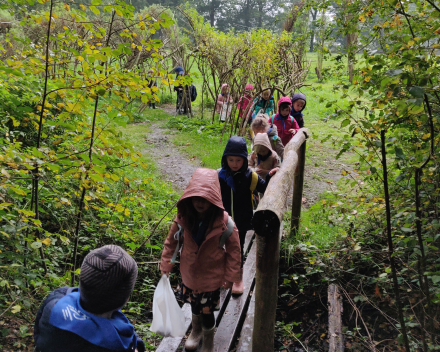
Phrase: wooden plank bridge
pixel 247 322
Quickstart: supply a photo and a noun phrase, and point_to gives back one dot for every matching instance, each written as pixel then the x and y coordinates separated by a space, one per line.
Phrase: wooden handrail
pixel 267 223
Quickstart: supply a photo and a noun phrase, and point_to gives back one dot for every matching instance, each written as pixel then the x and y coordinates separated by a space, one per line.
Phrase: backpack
pixel 225 235
pixel 193 92
pixel 273 117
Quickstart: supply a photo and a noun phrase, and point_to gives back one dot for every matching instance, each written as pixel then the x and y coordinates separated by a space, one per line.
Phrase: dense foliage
pixel 387 215
pixel 69 179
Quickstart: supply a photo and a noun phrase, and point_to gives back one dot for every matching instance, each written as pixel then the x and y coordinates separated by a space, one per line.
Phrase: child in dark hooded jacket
pixel 235 182
pixel 298 105
pixel 88 318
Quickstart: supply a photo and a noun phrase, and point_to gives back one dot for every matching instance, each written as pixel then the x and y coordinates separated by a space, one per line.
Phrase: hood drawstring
pixel 232 204
pixel 232 196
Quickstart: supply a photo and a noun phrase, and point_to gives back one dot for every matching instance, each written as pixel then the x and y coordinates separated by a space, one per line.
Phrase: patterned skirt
pixel 202 302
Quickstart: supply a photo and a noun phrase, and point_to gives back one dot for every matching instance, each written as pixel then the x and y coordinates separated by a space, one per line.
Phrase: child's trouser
pixel 242 235
pixel 204 303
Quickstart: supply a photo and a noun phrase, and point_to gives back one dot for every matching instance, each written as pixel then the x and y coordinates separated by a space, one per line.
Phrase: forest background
pixel 74 88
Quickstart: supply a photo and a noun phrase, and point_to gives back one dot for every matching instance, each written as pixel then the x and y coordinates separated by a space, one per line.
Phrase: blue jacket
pixel 235 186
pixel 266 105
pixel 62 325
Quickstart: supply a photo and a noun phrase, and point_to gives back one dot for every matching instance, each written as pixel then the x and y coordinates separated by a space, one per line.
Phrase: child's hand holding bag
pixel 168 318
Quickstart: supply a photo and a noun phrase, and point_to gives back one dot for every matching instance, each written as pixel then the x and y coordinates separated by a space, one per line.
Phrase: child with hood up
pixel 88 317
pixel 265 103
pixel 245 100
pixel 223 99
pixel 205 263
pixel 286 124
pixel 263 159
pixel 261 124
pixel 298 105
pixel 237 183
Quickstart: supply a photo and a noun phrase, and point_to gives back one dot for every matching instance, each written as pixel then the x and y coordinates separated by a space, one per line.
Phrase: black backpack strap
pixel 227 233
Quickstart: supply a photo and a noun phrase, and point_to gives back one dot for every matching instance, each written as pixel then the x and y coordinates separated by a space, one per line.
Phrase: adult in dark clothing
pixel 299 102
pixel 181 104
pixel 235 182
pixel 88 318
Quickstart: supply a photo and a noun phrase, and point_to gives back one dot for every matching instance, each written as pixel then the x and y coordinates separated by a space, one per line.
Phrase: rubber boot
pixel 208 339
pixel 194 338
pixel 238 287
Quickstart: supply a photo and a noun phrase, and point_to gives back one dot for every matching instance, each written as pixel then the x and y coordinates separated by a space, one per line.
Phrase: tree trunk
pixel 390 242
pixel 260 13
pixel 351 50
pixel 312 35
pixel 212 13
pixel 321 41
pixel 351 42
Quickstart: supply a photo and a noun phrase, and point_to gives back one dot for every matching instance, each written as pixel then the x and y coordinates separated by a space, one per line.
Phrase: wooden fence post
pixel 335 337
pixel 268 227
pixel 266 292
pixel 298 185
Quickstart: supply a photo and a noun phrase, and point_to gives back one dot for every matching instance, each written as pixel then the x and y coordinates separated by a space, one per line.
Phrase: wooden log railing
pixel 267 223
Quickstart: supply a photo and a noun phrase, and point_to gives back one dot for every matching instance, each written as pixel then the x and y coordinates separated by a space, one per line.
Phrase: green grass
pixel 207 148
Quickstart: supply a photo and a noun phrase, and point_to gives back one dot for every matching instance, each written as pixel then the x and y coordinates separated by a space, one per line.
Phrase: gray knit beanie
pixel 108 275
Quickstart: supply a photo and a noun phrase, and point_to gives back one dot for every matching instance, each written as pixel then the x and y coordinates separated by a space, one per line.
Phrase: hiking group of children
pixel 264 104
pixel 89 318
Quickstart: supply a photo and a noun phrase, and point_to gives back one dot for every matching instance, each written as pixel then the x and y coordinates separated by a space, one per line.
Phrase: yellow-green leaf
pixel 94 10
pixel 47 241
pixel 4 205
pixel 16 309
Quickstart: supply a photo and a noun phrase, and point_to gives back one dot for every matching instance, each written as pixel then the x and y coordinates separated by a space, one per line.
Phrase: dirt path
pixel 322 173
pixel 175 167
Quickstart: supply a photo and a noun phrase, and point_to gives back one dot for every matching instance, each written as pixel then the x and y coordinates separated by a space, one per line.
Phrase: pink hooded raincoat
pixel 208 267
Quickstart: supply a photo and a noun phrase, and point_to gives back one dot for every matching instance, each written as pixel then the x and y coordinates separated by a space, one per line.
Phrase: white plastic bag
pixel 225 112
pixel 168 318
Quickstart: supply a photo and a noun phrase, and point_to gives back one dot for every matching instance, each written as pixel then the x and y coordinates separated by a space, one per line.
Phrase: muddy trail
pixel 174 166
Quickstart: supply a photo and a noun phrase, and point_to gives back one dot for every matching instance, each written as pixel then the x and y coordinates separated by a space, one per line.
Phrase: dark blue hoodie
pixel 298 116
pixel 63 325
pixel 235 186
pixel 179 71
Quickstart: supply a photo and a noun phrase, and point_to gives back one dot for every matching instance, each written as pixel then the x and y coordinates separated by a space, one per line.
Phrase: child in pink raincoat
pixel 205 266
pixel 285 123
pixel 245 102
